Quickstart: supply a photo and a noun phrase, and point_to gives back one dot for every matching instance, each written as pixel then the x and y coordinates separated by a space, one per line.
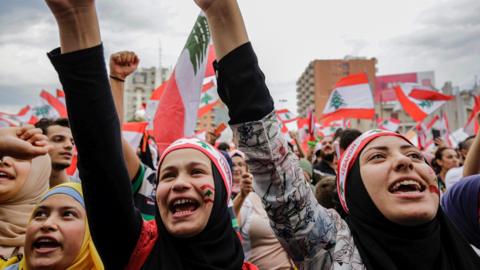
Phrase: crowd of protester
pixel 354 200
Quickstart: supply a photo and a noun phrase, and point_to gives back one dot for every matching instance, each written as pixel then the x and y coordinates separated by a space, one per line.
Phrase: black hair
pixel 348 136
pixel 45 123
pixel 223 147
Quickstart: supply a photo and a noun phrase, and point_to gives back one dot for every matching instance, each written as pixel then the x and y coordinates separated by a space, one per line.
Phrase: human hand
pixel 212 136
pixel 123 64
pixel 23 143
pixel 293 134
pixel 205 4
pixel 246 184
pixel 439 142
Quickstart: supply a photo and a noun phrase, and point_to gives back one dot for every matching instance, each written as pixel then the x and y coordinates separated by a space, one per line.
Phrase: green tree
pixel 337 101
pixel 425 104
pixel 197 42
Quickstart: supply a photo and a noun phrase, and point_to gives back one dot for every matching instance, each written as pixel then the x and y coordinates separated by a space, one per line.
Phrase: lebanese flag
pixel 61 96
pixel 351 98
pixel 133 132
pixel 391 124
pixel 419 101
pixel 176 115
pixel 285 116
pixel 471 127
pixel 209 98
pixel 51 107
pixel 152 104
pixel 24 116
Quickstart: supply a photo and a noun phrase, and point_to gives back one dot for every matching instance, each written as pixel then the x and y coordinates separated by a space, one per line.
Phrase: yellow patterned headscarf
pixel 88 257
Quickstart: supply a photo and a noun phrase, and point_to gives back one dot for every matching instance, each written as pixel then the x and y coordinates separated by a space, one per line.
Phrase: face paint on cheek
pixel 208 192
pixel 434 189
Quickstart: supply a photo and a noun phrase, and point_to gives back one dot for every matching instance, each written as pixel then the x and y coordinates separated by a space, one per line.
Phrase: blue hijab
pixel 461 203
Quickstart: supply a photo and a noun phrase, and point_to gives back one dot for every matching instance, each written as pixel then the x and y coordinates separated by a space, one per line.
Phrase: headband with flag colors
pixel 419 101
pixel 212 153
pixel 350 98
pixel 348 158
pixel 176 113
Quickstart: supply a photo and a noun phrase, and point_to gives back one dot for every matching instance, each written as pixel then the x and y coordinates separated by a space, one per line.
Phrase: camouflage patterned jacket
pixel 315 237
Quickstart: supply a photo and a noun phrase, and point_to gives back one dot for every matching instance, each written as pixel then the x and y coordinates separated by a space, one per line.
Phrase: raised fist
pixel 246 184
pixel 205 4
pixel 123 64
pixel 23 143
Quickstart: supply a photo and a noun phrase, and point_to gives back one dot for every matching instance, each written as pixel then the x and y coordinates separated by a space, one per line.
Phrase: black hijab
pixel 385 245
pixel 216 247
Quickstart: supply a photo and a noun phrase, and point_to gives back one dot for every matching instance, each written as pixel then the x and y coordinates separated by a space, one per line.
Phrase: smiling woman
pixel 58 236
pixel 22 182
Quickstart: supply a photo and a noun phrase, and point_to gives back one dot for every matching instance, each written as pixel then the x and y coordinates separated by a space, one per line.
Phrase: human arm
pixel 95 127
pixel 294 136
pixel 471 165
pixel 300 223
pixel 122 64
pixel 24 142
pixel 246 186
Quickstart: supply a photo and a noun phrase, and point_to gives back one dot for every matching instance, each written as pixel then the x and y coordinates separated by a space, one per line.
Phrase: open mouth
pixel 5 175
pixel 46 244
pixel 407 186
pixel 183 207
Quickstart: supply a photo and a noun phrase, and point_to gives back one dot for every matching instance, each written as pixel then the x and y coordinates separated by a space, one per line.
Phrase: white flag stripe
pixel 355 97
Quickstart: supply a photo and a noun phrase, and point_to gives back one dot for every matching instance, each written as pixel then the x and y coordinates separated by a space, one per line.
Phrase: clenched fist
pixel 123 64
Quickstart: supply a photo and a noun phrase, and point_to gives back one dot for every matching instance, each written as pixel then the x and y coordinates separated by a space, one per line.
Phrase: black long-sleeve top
pixel 114 222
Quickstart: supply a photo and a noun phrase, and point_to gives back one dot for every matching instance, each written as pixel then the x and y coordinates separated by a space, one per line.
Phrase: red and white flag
pixel 419 101
pixel 24 116
pixel 285 116
pixel 351 98
pixel 133 132
pixel 176 115
pixel 61 96
pixel 391 124
pixel 209 98
pixel 471 127
pixel 152 104
pixel 50 107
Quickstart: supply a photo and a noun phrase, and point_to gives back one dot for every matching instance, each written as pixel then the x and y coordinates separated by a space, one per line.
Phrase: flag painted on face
pixel 208 192
pixel 419 101
pixel 350 98
pixel 286 116
pixel 176 114
pixel 391 124
pixel 209 98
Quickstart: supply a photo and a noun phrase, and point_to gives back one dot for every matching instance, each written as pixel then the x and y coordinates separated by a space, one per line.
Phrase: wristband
pixel 116 78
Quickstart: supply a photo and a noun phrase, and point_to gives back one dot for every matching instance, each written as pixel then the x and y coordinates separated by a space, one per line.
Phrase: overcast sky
pixel 404 35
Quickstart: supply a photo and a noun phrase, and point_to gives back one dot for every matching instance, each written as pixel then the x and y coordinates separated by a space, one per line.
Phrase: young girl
pixel 57 234
pixel 192 228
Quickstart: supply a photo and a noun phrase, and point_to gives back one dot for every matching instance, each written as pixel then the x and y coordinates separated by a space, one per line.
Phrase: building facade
pixel 139 87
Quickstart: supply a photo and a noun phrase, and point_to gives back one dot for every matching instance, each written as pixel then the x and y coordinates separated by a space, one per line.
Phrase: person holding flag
pixel 192 228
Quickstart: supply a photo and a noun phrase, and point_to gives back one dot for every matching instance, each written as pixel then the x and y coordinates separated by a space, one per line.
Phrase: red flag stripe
pixel 348 113
pixel 429 95
pixel 352 80
pixel 411 108
pixel 55 103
